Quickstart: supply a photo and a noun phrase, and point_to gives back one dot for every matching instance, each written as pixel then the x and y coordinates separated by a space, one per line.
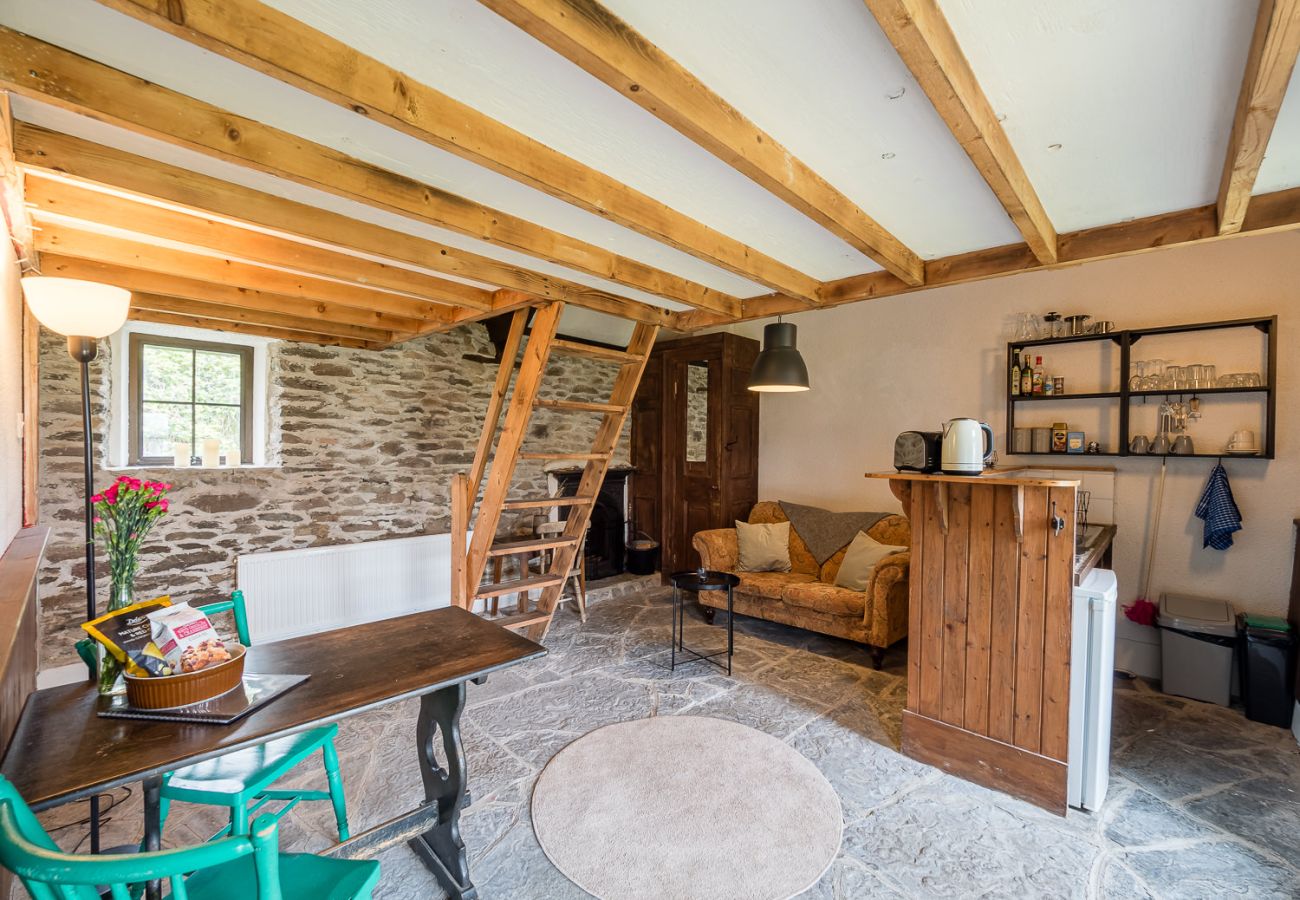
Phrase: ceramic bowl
pixel 168 691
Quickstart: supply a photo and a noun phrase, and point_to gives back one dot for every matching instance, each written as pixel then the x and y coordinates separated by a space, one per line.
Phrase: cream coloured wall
pixel 11 395
pixel 913 361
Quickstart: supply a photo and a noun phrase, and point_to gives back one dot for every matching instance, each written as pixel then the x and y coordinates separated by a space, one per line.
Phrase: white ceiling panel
pixel 89 129
pixel 1281 168
pixel 824 81
pixel 85 27
pixel 1117 108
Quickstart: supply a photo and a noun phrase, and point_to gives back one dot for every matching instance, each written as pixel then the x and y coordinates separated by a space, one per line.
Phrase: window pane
pixel 168 373
pixel 217 377
pixel 220 422
pixel 162 426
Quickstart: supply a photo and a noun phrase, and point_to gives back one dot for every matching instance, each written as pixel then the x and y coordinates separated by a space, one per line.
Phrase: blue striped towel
pixel 1219 511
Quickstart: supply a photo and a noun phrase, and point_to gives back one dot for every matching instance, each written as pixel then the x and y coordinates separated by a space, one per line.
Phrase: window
pixel 188 391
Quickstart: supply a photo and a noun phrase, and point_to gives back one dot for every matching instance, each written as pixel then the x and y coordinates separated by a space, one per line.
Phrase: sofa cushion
pixel 889 530
pixel 827 598
pixel 801 558
pixel 763 548
pixel 860 562
pixel 771 585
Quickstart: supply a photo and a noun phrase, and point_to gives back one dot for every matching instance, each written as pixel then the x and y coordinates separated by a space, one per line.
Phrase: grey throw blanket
pixel 826 532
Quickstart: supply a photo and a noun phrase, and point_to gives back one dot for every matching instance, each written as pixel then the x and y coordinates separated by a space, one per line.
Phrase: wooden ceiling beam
pixel 68 239
pixel 13 208
pixel 592 37
pixel 282 334
pixel 289 50
pixel 59 77
pixel 927 45
pixel 139 281
pixel 1278 211
pixel 1272 57
pixel 42 150
pixel 185 306
pixel 63 198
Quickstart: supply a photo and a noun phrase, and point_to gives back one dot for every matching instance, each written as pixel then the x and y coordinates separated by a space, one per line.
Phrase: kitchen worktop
pixel 999 476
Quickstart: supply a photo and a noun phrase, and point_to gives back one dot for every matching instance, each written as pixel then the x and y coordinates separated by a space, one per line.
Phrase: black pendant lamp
pixel 779 367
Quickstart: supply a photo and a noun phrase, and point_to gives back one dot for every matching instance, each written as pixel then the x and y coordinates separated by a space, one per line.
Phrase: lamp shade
pixel 779 367
pixel 77 308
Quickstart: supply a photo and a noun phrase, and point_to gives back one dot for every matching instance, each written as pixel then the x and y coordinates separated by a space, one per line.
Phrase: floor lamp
pixel 83 311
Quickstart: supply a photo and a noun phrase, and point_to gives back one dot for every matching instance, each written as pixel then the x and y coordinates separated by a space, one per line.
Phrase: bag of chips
pixel 186 638
pixel 127 635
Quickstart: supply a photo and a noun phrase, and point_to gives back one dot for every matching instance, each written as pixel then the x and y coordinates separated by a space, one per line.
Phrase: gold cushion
pixel 771 585
pixel 827 598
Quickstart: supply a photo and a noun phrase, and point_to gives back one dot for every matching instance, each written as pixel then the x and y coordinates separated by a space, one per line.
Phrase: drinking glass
pixel 1252 379
pixel 1139 375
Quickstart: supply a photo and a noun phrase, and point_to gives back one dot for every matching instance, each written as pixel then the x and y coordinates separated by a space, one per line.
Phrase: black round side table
pixel 702 580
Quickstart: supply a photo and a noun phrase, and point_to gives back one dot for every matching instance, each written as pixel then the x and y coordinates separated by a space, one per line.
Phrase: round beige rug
pixel 681 807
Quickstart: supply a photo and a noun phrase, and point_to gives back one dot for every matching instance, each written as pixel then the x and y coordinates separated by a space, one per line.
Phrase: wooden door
pixel 692 452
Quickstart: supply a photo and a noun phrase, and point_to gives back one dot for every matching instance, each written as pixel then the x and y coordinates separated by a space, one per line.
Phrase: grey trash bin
pixel 1197 638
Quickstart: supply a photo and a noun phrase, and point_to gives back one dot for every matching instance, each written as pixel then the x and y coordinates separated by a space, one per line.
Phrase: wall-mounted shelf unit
pixel 1125 340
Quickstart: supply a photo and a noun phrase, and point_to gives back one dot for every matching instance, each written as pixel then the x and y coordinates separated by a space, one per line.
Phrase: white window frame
pixel 119 419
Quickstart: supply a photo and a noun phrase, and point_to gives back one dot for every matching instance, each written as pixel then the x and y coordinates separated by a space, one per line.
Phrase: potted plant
pixel 124 515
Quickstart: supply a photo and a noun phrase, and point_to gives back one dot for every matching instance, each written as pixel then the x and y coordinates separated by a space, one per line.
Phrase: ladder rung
pixel 521 620
pixel 508 548
pixel 581 406
pixel 592 351
pixel 536 582
pixel 543 502
pixel 586 456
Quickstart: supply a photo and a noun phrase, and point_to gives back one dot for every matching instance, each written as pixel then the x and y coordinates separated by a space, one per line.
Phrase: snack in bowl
pixel 186 638
pixel 127 636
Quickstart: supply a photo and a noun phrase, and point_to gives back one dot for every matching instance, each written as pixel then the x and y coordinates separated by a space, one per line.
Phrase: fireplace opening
pixel 606 550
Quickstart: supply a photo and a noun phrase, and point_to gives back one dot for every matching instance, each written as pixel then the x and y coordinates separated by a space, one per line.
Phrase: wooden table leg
pixel 441 847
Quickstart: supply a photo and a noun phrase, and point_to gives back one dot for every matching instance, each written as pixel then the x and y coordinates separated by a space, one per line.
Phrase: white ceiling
pixel 1117 108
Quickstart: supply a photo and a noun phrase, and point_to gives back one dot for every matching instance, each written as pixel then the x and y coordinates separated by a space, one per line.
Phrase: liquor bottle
pixel 1015 375
pixel 1038 375
pixel 1026 377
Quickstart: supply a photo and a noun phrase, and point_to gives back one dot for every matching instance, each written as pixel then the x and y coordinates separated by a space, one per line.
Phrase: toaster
pixel 917 451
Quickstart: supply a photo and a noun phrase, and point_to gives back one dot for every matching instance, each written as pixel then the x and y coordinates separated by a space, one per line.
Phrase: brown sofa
pixel 807 596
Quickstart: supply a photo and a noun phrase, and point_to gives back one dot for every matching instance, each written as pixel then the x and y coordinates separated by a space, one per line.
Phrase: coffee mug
pixel 1160 446
pixel 1182 446
pixel 1140 444
pixel 1242 440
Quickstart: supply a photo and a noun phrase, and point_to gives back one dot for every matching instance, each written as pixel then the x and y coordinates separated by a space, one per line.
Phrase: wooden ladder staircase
pixel 470 555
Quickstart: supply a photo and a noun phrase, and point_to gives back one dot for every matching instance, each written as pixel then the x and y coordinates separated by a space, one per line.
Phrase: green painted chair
pixel 242 781
pixel 250 867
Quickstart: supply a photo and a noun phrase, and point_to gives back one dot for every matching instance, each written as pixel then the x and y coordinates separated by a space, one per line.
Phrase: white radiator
pixel 294 592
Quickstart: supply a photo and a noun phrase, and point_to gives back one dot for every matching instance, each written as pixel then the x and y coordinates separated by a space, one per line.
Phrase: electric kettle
pixel 967 447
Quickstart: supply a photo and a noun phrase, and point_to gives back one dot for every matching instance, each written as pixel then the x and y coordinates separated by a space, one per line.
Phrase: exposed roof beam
pixel 1272 56
pixel 592 37
pixel 13 210
pixel 37 148
pixel 185 306
pixel 283 334
pixel 74 239
pixel 924 40
pixel 1278 211
pixel 143 282
pixel 285 48
pixel 53 75
pixel 47 195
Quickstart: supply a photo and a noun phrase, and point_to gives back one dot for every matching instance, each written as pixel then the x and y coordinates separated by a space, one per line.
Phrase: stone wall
pixel 365 444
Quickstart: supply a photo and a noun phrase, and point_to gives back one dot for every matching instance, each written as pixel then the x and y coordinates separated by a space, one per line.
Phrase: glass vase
pixel 121 594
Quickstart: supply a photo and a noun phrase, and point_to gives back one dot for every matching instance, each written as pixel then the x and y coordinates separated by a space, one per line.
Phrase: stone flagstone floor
pixel 1202 803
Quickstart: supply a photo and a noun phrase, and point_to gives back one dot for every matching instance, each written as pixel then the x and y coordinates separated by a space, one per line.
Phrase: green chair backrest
pixel 50 874
pixel 236 605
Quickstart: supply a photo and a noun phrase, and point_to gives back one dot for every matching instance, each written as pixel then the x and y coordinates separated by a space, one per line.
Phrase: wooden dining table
pixel 62 750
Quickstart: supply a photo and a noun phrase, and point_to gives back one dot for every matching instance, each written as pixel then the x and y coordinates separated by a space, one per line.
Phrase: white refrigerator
pixel 1092 679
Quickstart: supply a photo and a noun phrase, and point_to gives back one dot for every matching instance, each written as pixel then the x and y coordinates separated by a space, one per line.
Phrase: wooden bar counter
pixel 988 650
